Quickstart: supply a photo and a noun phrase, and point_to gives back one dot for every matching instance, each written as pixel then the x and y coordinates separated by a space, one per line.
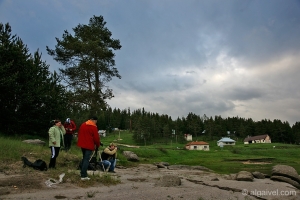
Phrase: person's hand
pixel 54 142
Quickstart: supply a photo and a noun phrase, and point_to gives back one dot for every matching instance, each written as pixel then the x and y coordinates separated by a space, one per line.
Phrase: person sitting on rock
pixel 108 157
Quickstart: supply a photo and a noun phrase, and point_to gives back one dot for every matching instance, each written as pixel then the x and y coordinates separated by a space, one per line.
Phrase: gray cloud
pixel 228 58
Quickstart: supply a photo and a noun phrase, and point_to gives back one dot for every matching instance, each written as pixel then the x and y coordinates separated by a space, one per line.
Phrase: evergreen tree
pixel 89 62
pixel 30 95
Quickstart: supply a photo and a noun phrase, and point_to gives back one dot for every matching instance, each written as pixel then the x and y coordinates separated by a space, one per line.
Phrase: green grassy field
pixel 229 159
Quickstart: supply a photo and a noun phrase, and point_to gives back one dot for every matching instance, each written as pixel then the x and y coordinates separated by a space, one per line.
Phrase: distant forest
pixel 31 96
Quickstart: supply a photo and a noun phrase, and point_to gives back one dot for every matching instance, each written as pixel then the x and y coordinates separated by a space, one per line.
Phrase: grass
pixel 224 161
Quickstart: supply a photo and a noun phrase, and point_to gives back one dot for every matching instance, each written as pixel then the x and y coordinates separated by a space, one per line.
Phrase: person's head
pixel 57 122
pixel 112 146
pixel 94 119
pixel 68 120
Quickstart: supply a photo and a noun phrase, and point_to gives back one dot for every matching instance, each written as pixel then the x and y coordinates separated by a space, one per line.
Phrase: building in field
pixel 225 141
pixel 257 139
pixel 197 146
pixel 188 137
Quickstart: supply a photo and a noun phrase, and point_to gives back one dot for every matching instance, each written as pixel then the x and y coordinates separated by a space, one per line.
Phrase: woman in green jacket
pixel 56 135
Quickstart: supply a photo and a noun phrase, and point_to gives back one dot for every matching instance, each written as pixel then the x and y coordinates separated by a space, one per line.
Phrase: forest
pixel 32 95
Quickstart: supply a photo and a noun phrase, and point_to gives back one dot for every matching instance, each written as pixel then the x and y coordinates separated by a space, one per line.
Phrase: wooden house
pixel 257 139
pixel 197 146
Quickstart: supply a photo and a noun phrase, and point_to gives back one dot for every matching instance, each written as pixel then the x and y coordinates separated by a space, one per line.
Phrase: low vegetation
pixel 229 159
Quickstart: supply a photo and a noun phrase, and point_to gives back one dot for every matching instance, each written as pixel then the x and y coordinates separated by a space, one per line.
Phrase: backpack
pixel 38 164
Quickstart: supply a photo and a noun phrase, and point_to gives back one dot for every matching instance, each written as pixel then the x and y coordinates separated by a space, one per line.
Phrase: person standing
pixel 70 127
pixel 88 141
pixel 108 157
pixel 56 135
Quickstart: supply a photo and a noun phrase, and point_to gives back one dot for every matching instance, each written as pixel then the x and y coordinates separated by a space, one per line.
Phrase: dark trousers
pixel 54 154
pixel 68 141
pixel 86 155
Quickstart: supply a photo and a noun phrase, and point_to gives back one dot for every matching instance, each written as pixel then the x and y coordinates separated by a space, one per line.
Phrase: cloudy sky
pixel 227 58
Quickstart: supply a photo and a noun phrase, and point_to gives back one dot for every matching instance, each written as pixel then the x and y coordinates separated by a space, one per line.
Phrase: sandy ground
pixel 143 182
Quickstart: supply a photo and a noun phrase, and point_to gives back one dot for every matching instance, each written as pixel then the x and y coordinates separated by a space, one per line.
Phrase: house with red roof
pixel 197 146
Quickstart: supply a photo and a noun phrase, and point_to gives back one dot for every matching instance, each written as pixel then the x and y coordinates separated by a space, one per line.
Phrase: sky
pixel 227 58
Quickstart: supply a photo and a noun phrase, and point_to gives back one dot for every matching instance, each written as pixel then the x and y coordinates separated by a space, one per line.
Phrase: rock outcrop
pixel 131 156
pixel 35 141
pixel 169 181
pixel 286 174
pixel 244 176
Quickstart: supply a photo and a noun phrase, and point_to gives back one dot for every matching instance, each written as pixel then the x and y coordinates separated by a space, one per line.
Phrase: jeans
pixel 108 164
pixel 86 155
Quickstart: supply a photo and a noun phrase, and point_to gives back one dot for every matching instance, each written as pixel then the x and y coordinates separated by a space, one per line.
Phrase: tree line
pixel 31 95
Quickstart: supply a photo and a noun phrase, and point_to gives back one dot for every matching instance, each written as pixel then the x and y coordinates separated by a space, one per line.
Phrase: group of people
pixel 61 135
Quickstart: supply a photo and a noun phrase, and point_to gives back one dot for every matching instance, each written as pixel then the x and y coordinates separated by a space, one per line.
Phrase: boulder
pixel 244 176
pixel 169 181
pixel 286 174
pixel 131 156
pixel 286 180
pixel 176 167
pixel 159 165
pixel 286 171
pixel 35 141
pixel 258 175
pixel 230 177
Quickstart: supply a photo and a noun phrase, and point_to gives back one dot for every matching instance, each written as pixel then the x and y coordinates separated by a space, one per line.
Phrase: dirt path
pixel 143 182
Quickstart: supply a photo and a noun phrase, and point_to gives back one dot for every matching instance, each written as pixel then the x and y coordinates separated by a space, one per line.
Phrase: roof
pixel 226 139
pixel 197 143
pixel 257 137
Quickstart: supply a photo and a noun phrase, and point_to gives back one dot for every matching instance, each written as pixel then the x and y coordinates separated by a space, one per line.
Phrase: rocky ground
pixel 149 182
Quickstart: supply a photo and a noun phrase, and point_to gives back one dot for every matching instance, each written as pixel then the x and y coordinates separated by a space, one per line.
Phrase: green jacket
pixel 56 134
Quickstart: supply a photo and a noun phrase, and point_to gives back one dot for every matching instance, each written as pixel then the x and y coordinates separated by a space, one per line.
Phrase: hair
pixel 54 121
pixel 94 118
pixel 112 144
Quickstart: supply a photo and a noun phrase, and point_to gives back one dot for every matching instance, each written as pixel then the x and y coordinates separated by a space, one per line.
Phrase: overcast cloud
pixel 227 58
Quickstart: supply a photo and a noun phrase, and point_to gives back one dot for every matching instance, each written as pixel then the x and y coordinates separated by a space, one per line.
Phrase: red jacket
pixel 70 127
pixel 88 136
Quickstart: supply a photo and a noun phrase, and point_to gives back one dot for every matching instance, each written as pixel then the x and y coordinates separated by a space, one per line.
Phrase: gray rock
pixel 200 168
pixel 176 167
pixel 258 175
pixel 285 171
pixel 131 156
pixel 244 176
pixel 169 181
pixel 165 163
pixel 286 180
pixel 159 165
pixel 35 141
pixel 230 177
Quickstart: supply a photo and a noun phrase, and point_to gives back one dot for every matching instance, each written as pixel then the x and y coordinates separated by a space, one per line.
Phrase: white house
pixel 188 137
pixel 226 141
pixel 197 146
pixel 257 139
pixel 102 133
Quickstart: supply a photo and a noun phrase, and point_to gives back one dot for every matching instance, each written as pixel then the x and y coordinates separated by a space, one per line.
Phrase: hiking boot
pixel 111 171
pixel 85 179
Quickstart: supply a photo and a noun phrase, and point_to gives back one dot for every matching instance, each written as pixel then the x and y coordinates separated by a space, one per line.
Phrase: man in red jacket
pixel 70 127
pixel 88 141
